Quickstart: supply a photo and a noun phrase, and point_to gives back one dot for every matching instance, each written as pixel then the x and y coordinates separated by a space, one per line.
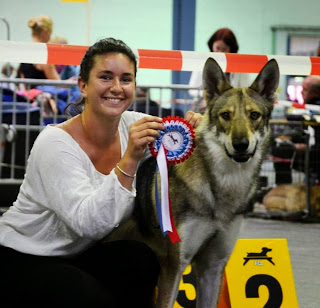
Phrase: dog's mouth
pixel 241 157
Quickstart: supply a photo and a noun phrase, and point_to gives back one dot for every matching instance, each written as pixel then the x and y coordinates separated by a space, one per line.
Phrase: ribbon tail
pixel 174 236
pixel 164 207
pixel 158 203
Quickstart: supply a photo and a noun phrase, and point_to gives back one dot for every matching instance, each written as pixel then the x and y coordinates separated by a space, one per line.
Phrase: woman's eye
pixel 254 115
pixel 225 116
pixel 106 77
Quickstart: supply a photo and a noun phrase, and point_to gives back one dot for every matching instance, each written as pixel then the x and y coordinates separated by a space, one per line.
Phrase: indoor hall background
pixel 153 24
pixel 302 238
pixel 149 24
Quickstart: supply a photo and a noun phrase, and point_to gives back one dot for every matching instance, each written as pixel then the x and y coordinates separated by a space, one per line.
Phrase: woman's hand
pixel 141 133
pixel 193 118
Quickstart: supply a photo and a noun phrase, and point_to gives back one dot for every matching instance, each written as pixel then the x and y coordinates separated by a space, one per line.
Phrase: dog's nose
pixel 240 145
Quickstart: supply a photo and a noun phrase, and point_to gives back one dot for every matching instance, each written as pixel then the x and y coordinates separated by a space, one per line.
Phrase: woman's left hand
pixel 193 118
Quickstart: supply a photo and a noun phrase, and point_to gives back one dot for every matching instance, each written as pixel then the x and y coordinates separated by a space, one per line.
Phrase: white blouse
pixel 64 203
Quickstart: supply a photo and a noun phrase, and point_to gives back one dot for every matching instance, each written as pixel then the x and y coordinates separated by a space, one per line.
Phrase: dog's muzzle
pixel 241 154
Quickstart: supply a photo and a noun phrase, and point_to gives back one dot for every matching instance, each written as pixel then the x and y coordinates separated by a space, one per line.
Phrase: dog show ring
pixel 177 140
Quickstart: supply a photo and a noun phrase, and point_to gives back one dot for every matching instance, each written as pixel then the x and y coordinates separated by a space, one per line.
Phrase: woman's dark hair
pixel 102 47
pixel 225 35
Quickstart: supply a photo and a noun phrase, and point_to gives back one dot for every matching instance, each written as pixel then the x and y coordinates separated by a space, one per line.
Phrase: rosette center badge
pixel 172 141
pixel 177 140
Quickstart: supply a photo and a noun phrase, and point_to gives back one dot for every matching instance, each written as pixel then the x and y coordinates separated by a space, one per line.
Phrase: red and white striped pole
pixel 175 60
pixel 310 107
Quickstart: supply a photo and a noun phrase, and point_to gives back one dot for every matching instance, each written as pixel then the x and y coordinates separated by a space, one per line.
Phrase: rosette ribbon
pixel 174 145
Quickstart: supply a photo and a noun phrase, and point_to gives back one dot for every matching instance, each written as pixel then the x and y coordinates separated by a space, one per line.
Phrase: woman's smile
pixel 113 100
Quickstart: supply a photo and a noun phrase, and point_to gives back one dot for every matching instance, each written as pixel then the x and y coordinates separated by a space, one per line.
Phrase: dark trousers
pixel 115 274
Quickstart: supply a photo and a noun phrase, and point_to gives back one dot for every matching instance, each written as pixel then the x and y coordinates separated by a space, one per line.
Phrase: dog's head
pixel 238 117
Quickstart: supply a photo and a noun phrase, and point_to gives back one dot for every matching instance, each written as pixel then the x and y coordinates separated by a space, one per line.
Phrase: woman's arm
pixel 49 70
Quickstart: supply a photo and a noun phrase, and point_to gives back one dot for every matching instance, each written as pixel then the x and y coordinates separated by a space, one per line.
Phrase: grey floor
pixel 304 248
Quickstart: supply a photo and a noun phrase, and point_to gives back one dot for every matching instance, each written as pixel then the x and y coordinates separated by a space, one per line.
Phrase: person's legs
pixel 128 268
pixel 114 275
pixel 48 282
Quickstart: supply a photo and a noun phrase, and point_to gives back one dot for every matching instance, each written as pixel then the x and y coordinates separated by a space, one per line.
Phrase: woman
pixel 223 40
pixel 78 187
pixel 41 30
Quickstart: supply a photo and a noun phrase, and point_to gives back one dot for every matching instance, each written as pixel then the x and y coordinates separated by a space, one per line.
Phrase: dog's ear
pixel 214 81
pixel 267 81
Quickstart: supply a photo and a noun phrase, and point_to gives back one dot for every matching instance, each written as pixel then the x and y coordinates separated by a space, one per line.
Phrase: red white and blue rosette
pixel 175 145
pixel 177 140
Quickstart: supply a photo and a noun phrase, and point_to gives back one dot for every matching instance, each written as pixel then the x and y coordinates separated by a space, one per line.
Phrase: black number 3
pixel 275 291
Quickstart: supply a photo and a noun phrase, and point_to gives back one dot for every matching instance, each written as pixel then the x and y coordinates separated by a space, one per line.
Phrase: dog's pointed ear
pixel 267 81
pixel 214 81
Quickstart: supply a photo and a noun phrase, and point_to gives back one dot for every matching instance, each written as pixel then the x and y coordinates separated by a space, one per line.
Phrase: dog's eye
pixel 225 116
pixel 254 115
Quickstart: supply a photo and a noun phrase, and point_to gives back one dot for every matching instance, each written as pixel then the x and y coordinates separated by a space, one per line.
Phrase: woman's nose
pixel 116 86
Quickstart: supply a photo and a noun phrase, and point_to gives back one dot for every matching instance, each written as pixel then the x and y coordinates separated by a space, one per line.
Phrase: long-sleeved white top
pixel 64 204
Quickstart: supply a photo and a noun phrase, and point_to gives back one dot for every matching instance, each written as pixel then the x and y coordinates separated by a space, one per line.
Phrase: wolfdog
pixel 209 189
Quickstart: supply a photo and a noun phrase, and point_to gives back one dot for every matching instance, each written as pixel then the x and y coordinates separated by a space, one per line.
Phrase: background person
pixel 79 186
pixel 41 29
pixel 7 71
pixel 223 40
pixel 292 143
pixel 311 90
pixel 311 95
pixel 66 72
pixel 62 94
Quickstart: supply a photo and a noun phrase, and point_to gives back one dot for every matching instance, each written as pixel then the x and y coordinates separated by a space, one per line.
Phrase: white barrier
pixel 176 60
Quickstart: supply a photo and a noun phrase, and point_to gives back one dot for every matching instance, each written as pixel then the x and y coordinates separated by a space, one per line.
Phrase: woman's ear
pixel 82 87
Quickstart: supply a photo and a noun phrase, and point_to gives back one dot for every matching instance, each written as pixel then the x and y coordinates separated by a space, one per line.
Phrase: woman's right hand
pixel 141 133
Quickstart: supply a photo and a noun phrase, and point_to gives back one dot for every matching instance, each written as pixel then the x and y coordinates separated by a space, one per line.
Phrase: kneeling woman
pixel 78 187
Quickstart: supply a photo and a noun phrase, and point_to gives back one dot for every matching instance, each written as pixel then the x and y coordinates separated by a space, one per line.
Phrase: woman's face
pixel 45 36
pixel 220 46
pixel 111 86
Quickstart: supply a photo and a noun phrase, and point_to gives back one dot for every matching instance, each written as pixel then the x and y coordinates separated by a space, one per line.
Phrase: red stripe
pixel 297 105
pixel 65 54
pixel 241 63
pixel 279 159
pixel 174 236
pixel 315 65
pixel 160 59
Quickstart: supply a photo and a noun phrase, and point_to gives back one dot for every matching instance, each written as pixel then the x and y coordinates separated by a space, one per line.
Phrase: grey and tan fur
pixel 210 188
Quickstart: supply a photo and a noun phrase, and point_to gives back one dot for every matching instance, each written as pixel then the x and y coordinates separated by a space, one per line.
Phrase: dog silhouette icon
pixel 258 256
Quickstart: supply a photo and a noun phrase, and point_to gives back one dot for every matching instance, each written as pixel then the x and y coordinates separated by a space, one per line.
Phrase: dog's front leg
pixel 168 286
pixel 209 273
pixel 209 264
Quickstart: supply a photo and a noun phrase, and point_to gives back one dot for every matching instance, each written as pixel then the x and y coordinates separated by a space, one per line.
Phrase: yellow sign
pixel 259 274
pixel 187 290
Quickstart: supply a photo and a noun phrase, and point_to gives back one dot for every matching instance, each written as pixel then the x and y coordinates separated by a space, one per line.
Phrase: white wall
pixel 251 20
pixel 140 23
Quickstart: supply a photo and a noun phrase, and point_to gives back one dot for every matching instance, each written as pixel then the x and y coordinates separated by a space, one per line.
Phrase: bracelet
pixel 125 173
